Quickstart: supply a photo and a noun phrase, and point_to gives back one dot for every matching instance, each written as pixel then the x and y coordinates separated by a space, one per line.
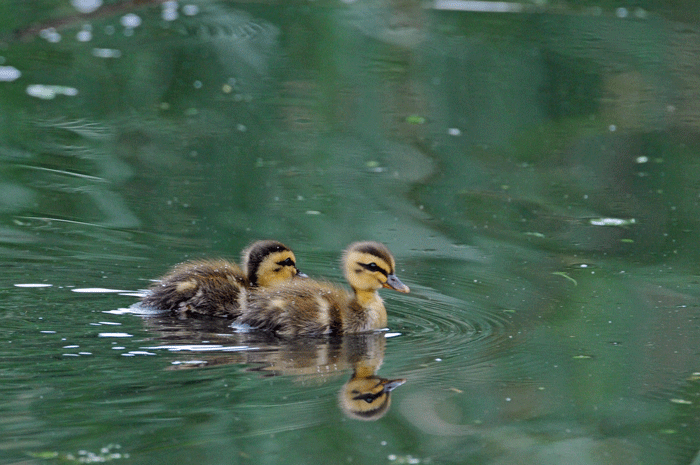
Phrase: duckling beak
pixel 300 274
pixel 392 282
pixel 391 384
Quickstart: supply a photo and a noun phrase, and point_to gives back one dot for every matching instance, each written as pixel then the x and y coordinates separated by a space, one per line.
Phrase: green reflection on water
pixel 497 156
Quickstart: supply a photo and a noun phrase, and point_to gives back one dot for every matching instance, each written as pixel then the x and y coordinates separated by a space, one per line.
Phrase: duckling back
pixel 202 287
pixel 311 309
pixel 299 307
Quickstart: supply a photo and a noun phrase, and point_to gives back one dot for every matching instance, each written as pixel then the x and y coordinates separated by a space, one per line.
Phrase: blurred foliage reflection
pixel 535 173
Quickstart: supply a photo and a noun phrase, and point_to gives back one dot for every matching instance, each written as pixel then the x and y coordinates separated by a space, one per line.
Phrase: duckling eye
pixel 287 262
pixel 373 267
pixel 367 397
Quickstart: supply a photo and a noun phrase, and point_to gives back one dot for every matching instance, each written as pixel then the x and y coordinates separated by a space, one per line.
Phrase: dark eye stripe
pixel 287 262
pixel 368 397
pixel 374 267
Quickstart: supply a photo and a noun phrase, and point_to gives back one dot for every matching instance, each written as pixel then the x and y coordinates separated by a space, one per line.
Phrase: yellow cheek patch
pixel 272 271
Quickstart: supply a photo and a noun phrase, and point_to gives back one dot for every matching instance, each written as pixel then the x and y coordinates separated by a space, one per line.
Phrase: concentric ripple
pixel 438 326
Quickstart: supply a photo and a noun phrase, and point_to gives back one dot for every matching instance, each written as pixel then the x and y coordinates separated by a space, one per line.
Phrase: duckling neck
pixel 368 312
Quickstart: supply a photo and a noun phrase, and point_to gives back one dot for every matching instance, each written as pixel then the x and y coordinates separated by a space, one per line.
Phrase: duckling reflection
pixel 365 396
pixel 218 288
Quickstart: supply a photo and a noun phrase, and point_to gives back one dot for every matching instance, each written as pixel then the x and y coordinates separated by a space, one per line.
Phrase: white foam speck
pixel 136 309
pixel 46 92
pixel 9 73
pixel 50 35
pixel 169 15
pixel 612 221
pixel 106 53
pixel 86 6
pixel 84 36
pixel 130 21
pixel 190 10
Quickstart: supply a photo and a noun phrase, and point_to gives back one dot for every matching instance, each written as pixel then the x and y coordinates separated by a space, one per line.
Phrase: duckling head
pixel 268 263
pixel 369 266
pixel 367 398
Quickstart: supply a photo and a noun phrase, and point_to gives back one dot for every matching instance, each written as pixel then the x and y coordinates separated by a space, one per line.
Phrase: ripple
pixel 115 335
pixel 98 290
pixel 136 309
pixel 199 348
pixel 438 326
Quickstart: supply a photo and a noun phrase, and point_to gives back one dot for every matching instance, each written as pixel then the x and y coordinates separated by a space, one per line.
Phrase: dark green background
pixel 484 149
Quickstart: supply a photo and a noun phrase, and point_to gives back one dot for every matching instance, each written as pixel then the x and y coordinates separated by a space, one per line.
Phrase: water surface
pixel 535 172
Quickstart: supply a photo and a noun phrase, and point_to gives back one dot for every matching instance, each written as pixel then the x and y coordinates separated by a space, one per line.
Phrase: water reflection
pixel 207 343
pixel 505 134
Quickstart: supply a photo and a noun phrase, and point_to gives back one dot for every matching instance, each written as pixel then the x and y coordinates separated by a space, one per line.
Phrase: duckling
pixel 367 396
pixel 315 308
pixel 218 287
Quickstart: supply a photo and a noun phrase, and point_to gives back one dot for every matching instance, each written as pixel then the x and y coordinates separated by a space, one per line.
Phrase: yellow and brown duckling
pixel 367 396
pixel 314 308
pixel 218 287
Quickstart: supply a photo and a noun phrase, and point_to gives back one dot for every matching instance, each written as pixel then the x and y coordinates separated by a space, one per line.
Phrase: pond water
pixel 533 167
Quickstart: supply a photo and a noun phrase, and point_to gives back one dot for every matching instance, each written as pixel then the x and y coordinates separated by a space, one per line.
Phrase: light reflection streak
pixel 200 348
pixel 478 5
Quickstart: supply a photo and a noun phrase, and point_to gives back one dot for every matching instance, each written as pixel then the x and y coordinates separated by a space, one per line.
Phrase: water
pixel 535 174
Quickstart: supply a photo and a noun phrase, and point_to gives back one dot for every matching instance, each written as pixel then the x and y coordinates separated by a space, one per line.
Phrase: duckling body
pixel 218 287
pixel 314 308
pixel 201 287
